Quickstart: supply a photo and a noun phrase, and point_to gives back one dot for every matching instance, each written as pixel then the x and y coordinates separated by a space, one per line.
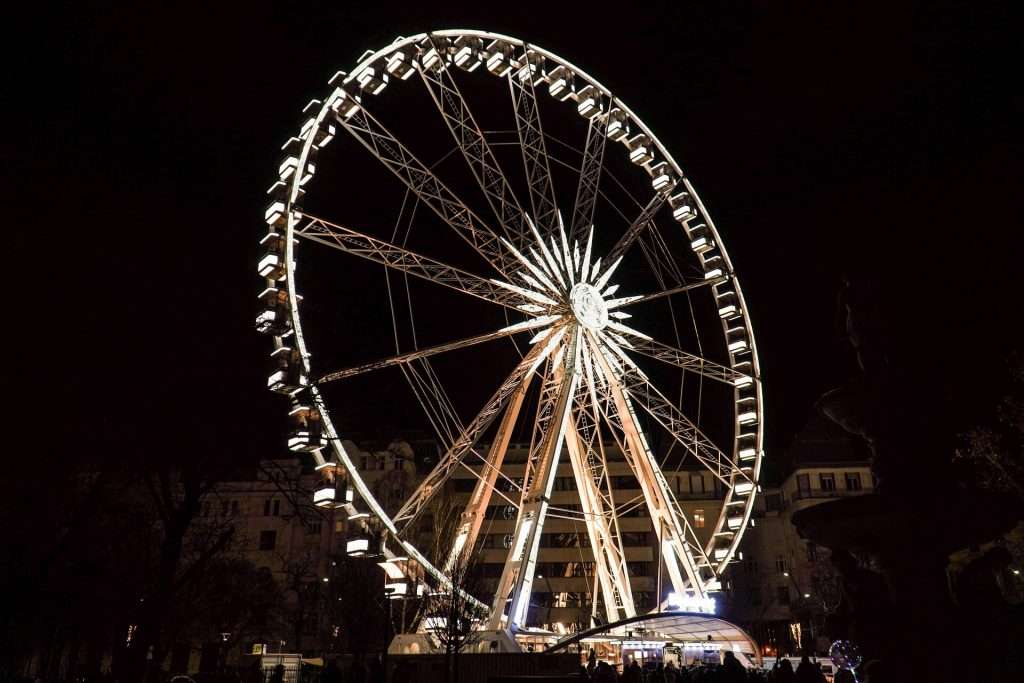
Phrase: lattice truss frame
pixel 581 349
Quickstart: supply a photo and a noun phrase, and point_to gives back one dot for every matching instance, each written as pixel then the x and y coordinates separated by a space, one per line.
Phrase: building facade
pixel 780 587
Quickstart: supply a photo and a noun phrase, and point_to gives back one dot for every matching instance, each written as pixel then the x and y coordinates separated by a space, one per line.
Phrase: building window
pixel 780 564
pixel 268 539
pixel 634 538
pixel 698 518
pixel 637 568
pixel 751 566
pixel 399 463
pixel 812 552
pixel 313 528
pixel 853 481
pixel 803 484
pixel 773 502
pixel 827 481
pixel 565 484
pixel 696 483
pixel 782 593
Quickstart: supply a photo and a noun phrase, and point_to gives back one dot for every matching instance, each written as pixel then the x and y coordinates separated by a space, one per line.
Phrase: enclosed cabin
pixel 701 238
pixel 271 263
pixel 467 52
pixel 363 542
pixel 292 150
pixel 274 315
pixel 560 83
pixel 663 177
pixel 640 150
pixel 345 99
pixel 681 204
pixel 306 434
pixel 617 126
pixel 399 64
pixel 334 490
pixel 287 375
pixel 588 101
pixel 498 57
pixel 531 68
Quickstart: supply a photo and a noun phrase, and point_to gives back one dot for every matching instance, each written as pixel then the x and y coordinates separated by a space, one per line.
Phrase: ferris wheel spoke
pixel 688 287
pixel 553 412
pixel 531 141
pixel 671 525
pixel 473 515
pixel 428 187
pixel 639 224
pixel 651 348
pixel 471 141
pixel 590 176
pixel 461 447
pixel 686 434
pixel 603 531
pixel 370 248
pixel 403 358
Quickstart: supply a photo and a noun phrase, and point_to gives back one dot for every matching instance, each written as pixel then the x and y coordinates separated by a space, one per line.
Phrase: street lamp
pixel 224 636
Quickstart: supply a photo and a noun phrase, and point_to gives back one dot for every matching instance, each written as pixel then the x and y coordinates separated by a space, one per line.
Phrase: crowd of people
pixel 729 671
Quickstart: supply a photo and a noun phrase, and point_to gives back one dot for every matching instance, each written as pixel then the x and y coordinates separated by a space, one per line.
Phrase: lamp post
pixel 224 637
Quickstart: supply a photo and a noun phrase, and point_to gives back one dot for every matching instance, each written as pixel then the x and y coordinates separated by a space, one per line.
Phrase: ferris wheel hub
pixel 588 306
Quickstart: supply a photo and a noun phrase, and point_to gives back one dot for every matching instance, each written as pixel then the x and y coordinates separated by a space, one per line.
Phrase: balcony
pixel 818 493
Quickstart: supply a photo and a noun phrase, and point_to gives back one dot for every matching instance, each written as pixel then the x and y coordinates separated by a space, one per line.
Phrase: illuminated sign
pixel 691 603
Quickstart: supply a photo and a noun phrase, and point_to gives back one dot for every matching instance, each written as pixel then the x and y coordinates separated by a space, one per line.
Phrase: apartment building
pixel 784 588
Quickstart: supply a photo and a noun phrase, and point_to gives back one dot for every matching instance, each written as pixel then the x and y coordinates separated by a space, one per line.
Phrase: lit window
pixel 698 518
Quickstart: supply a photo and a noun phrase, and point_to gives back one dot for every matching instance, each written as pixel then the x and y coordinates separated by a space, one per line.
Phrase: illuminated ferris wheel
pixel 622 339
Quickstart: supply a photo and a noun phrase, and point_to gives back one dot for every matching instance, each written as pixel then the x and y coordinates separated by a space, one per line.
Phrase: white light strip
pixel 540 298
pixel 585 267
pixel 603 280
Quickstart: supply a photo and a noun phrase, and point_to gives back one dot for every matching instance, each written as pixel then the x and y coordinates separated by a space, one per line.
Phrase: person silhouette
pixel 732 670
pixel 784 673
pixel 808 672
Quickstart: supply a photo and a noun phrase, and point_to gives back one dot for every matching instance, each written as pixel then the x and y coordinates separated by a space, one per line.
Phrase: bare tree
pixel 452 618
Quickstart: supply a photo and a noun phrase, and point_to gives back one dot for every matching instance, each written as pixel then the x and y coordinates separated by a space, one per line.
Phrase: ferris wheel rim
pixel 294 219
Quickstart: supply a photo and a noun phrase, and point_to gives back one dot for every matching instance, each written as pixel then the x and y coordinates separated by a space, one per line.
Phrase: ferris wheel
pixel 560 232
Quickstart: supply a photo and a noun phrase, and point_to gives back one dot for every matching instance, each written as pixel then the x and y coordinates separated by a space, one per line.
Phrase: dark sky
pixel 825 139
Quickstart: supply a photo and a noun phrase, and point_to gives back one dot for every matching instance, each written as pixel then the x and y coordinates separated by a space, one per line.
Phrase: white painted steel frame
pixel 615 378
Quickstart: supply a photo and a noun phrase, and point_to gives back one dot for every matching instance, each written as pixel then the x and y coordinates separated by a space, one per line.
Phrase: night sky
pixel 874 142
